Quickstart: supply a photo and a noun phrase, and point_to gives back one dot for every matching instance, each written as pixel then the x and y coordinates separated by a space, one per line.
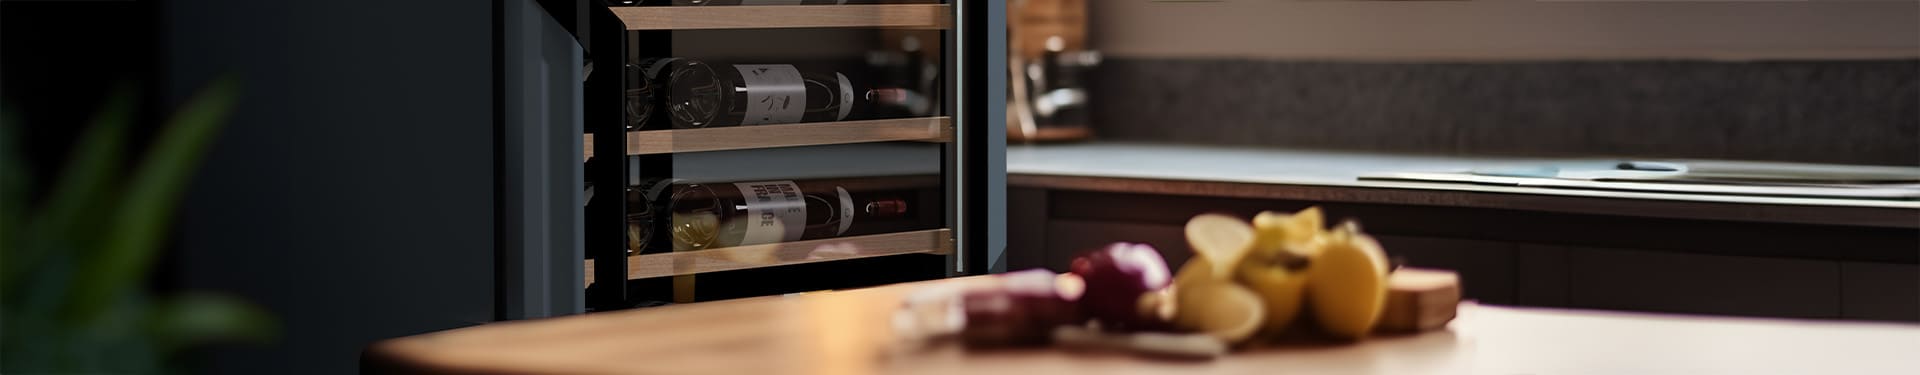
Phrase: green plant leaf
pixel 83 194
pixel 143 217
pixel 198 318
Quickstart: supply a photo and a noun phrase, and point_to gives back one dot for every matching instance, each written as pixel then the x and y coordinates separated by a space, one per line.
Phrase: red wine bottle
pixel 699 94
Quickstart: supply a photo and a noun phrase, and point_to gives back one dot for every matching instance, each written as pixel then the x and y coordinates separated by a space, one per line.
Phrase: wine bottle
pixel 699 94
pixel 639 101
pixel 907 74
pixel 717 215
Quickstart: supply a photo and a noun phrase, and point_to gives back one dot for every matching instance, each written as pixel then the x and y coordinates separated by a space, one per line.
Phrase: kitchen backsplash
pixel 1838 111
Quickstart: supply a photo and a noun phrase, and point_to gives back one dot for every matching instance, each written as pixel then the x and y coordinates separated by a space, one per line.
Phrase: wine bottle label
pixel 846 98
pixel 776 94
pixel 846 211
pixel 776 212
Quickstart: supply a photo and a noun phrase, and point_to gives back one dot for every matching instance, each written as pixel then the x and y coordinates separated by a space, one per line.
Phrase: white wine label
pixel 846 96
pixel 776 212
pixel 776 94
pixel 653 66
pixel 846 211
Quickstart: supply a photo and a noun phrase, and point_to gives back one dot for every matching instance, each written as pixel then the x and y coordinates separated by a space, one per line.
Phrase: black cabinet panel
pixel 1709 284
pixel 1879 291
pixel 1026 228
pixel 1548 259
pixel 1486 268
pixel 1540 275
pixel 1067 238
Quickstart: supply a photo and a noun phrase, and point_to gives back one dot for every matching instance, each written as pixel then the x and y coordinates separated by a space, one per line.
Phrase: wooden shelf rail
pixel 909 16
pixel 648 142
pixel 934 241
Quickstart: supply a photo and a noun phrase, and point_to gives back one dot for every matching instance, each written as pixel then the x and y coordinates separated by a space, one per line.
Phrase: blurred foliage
pixel 74 266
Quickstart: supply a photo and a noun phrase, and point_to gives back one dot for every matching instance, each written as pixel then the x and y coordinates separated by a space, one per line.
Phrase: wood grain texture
pixel 1886 217
pixel 1420 300
pixel 851 332
pixel 914 16
pixel 649 142
pixel 935 241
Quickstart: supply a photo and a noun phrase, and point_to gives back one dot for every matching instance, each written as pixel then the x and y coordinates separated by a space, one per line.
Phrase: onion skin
pixel 1116 277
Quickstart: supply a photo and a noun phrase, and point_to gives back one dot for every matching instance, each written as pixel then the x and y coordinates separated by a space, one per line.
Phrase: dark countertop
pixel 1315 175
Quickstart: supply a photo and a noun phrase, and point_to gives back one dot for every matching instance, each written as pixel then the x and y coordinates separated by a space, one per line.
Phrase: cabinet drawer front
pixel 1880 291
pixel 1709 284
pixel 1486 267
pixel 1068 238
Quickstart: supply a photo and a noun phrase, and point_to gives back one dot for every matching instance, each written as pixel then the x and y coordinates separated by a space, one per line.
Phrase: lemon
pixel 1281 283
pixel 1274 231
pixel 1347 283
pixel 1219 241
pixel 1224 310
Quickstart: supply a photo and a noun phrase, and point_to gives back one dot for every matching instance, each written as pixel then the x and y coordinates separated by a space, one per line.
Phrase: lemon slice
pixel 1219 240
pixel 1224 310
pixel 1275 231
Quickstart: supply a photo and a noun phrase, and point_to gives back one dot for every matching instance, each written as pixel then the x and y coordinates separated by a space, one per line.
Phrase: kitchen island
pixel 849 332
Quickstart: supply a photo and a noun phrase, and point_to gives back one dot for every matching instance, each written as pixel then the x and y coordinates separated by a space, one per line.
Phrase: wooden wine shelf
pixel 647 142
pixel 935 241
pixel 913 16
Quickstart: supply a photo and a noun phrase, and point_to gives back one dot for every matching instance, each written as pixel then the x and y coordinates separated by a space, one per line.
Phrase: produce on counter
pixel 1347 282
pixel 1219 239
pixel 1227 311
pixel 1117 276
pixel 1283 272
pixel 1023 310
pixel 1277 230
pixel 1161 344
pixel 1289 262
pixel 1277 266
pixel 1420 300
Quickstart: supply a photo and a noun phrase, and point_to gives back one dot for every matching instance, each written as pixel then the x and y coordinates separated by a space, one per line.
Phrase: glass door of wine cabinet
pixel 741 148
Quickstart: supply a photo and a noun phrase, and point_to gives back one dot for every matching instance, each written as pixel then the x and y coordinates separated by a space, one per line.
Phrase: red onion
pixel 1116 277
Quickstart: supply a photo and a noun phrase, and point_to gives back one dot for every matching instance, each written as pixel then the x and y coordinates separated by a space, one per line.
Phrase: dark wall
pixel 352 193
pixel 1833 111
pixel 57 74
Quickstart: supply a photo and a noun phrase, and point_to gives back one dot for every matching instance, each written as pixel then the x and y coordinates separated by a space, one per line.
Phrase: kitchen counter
pixel 1546 247
pixel 1333 176
pixel 847 332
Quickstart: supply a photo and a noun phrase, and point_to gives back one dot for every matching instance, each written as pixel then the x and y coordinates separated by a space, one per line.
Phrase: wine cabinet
pixel 747 150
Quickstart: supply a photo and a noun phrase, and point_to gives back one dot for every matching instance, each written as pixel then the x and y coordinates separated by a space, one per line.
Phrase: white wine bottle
pixel 708 216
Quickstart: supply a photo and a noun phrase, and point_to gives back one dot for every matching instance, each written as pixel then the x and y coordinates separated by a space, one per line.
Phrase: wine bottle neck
pixel 888 95
pixel 888 207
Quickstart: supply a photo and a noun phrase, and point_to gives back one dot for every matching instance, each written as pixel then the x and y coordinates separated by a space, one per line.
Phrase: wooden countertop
pixel 848 332
pixel 1333 176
